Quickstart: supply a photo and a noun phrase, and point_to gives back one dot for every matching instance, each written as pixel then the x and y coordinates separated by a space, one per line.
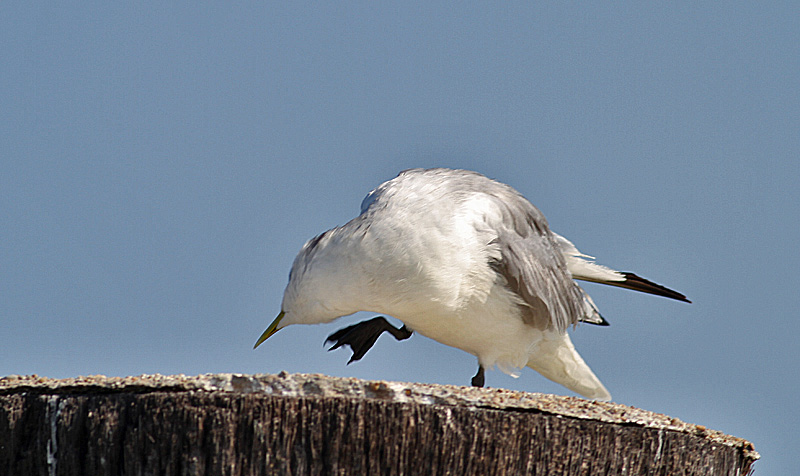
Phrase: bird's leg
pixel 362 336
pixel 478 380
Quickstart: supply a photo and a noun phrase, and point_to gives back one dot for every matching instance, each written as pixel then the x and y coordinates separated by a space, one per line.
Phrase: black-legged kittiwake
pixel 464 260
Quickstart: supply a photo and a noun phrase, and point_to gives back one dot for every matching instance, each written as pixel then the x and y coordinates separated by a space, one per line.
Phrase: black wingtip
pixel 596 320
pixel 637 283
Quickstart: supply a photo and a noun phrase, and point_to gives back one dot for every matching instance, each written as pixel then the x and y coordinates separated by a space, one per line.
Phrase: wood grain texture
pixel 307 429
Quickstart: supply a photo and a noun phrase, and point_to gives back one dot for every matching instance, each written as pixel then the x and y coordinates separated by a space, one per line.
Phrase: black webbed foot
pixel 362 336
pixel 478 380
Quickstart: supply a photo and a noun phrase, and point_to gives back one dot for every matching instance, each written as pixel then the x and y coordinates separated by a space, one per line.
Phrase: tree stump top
pixel 322 386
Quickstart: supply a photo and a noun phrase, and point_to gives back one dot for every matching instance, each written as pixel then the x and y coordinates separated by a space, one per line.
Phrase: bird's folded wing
pixel 533 266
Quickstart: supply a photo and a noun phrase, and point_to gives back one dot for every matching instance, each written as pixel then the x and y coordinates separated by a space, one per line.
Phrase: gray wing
pixel 539 276
pixel 533 265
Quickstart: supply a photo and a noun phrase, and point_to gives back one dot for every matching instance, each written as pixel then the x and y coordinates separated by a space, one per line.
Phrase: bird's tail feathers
pixel 558 360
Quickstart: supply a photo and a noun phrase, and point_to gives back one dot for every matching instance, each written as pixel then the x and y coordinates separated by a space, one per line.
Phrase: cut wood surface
pixel 232 424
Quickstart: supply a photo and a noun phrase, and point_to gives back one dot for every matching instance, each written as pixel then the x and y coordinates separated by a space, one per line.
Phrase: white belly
pixel 491 330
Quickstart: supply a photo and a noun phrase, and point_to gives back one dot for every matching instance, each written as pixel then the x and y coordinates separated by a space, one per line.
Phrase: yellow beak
pixel 273 328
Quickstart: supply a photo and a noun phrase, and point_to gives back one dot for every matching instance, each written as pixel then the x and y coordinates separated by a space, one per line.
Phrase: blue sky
pixel 163 164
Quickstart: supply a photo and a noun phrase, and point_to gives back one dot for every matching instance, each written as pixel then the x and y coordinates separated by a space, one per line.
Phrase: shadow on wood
pixel 231 424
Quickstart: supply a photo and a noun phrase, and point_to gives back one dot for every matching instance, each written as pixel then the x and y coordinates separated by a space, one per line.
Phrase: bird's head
pixel 320 289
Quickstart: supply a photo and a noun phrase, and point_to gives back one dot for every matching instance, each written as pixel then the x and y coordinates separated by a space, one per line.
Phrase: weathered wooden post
pixel 312 424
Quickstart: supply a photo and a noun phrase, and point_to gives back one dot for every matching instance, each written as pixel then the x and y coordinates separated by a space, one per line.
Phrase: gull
pixel 464 260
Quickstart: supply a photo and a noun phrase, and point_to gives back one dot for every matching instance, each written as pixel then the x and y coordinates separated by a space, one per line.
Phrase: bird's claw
pixel 479 379
pixel 363 335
